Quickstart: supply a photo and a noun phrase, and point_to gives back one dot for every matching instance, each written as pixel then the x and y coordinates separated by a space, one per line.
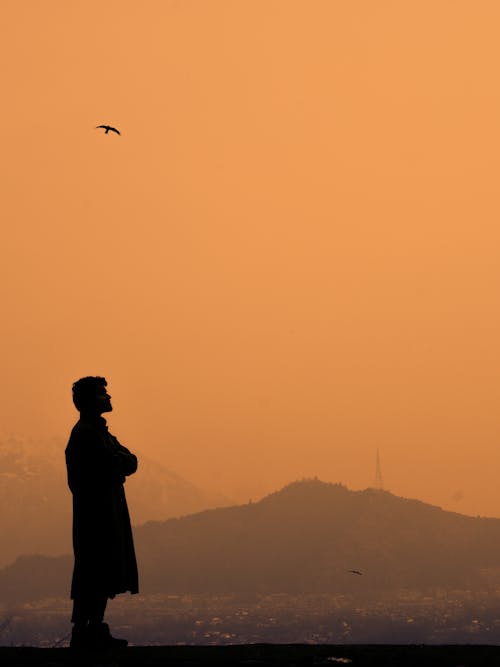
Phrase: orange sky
pixel 290 256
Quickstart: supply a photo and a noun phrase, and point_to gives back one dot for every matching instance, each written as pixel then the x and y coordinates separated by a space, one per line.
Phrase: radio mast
pixel 379 482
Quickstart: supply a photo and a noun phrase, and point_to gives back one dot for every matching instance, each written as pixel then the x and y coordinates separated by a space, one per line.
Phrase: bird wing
pixel 108 128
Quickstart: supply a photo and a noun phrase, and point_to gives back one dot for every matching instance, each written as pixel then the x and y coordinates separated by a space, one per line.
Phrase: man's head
pixel 90 395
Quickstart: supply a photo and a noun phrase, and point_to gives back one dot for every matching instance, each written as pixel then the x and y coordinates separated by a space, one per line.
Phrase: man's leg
pixel 79 618
pixel 96 609
pixel 98 631
pixel 89 609
pixel 88 615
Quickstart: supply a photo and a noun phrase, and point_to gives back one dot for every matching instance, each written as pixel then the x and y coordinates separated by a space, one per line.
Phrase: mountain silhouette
pixel 306 537
pixel 303 538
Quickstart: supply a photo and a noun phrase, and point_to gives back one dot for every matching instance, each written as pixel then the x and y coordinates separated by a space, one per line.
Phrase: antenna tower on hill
pixel 379 482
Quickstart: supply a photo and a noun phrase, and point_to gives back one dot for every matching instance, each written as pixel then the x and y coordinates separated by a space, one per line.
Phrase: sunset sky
pixel 288 259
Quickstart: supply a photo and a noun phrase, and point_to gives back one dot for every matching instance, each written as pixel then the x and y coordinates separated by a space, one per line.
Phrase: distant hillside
pixel 303 538
pixel 35 502
pixel 308 535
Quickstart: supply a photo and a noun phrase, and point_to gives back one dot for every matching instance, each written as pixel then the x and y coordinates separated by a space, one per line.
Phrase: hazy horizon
pixel 287 260
pixel 217 496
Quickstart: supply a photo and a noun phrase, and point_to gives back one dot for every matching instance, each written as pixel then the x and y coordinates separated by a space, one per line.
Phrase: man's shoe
pixel 79 637
pixel 99 637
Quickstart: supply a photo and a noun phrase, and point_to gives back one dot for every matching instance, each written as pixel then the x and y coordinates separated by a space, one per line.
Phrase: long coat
pixel 97 465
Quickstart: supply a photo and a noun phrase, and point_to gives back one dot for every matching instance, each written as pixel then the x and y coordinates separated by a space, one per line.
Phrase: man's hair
pixel 85 390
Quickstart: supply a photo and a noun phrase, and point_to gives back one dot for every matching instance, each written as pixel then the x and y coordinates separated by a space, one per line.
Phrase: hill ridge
pixel 305 537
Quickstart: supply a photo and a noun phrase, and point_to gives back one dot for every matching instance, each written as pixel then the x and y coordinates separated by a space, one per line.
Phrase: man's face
pixel 103 400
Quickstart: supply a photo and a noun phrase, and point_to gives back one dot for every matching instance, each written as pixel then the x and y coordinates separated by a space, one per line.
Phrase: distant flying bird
pixel 108 128
pixel 355 572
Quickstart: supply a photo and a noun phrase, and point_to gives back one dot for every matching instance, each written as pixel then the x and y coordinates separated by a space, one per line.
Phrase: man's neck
pixel 92 417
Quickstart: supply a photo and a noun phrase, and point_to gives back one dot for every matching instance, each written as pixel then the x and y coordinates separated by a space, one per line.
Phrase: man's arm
pixel 127 460
pixel 90 463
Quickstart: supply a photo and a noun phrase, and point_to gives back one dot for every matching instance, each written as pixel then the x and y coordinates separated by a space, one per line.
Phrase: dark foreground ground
pixel 260 654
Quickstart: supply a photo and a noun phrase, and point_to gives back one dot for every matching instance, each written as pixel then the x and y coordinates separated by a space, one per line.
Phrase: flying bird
pixel 108 128
pixel 355 572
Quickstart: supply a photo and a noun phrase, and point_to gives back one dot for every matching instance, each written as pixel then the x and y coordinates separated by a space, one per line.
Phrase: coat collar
pixel 94 420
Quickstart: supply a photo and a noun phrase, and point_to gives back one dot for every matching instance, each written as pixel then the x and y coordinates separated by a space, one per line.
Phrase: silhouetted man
pixel 105 563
